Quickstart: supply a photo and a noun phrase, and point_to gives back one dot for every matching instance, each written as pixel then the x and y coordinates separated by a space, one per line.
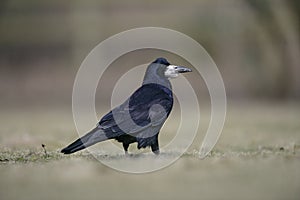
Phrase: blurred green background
pixel 256 46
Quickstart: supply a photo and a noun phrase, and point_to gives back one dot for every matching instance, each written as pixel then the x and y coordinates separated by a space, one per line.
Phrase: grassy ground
pixel 257 157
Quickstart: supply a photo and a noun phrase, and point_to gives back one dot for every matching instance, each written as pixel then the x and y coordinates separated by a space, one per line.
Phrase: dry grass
pixel 257 157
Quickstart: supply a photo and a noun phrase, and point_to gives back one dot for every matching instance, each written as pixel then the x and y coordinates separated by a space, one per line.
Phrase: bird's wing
pixel 148 106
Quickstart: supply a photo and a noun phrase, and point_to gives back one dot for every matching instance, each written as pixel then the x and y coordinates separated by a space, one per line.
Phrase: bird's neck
pixel 156 79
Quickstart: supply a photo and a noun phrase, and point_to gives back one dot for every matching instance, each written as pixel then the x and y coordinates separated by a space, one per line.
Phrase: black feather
pixel 94 136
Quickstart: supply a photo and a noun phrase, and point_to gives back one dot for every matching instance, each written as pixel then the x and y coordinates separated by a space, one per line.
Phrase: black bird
pixel 140 118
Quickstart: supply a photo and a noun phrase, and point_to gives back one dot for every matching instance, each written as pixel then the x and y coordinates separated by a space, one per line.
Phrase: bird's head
pixel 168 70
pixel 161 70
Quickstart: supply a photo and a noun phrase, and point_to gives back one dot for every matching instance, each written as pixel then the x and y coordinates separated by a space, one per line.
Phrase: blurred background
pixel 254 43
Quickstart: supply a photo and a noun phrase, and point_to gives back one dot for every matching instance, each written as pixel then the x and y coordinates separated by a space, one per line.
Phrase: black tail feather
pixel 75 146
pixel 94 136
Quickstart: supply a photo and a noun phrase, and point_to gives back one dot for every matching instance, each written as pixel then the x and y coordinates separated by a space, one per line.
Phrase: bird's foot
pixel 156 152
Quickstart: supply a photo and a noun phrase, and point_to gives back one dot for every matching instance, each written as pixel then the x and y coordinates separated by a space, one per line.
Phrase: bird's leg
pixel 155 147
pixel 155 150
pixel 125 146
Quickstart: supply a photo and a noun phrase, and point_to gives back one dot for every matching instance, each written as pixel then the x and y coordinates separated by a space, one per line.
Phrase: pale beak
pixel 181 69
